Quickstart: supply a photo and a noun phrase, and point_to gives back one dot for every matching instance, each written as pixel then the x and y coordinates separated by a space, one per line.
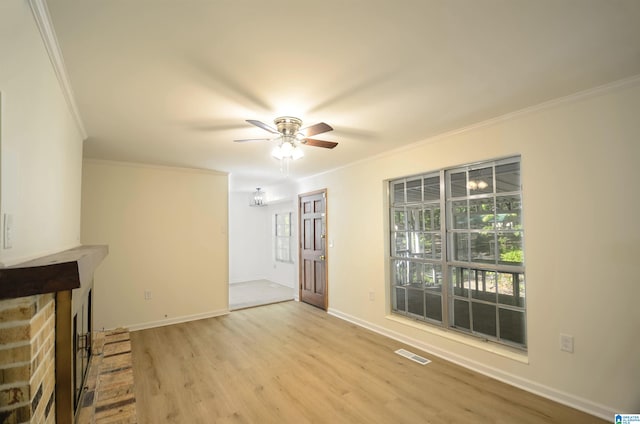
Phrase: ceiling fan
pixel 291 135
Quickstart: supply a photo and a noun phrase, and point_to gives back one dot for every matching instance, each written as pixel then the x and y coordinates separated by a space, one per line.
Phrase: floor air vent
pixel 416 358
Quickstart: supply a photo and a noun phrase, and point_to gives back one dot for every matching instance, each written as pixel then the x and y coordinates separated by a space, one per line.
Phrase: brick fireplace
pixel 27 359
pixel 45 335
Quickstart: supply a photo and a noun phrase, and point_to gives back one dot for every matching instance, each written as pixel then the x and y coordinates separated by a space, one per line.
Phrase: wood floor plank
pixel 293 363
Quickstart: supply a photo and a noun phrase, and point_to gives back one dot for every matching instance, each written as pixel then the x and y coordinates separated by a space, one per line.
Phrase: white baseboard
pixel 601 411
pixel 177 320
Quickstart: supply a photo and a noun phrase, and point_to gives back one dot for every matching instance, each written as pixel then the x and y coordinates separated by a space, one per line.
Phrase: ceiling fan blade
pixel 316 129
pixel 251 139
pixel 263 126
pixel 319 143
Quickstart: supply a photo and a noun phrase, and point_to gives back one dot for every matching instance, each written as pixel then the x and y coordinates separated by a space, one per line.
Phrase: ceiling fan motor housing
pixel 288 125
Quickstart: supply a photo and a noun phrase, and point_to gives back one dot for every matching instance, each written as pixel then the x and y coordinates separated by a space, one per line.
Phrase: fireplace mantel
pixel 52 293
pixel 66 270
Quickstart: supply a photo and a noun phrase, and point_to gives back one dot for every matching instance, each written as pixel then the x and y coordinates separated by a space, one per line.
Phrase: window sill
pixel 487 346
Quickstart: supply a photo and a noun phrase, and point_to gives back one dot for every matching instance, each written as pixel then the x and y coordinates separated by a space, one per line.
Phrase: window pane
pixel 481 181
pixel 483 284
pixel 400 300
pixel 414 191
pixel 510 245
pixel 434 306
pixel 282 255
pixel 399 276
pixel 399 222
pixel 400 244
pixel 458 184
pixel 283 237
pixel 460 248
pixel 436 219
pixel 414 218
pixel 460 219
pixel 508 212
pixel 415 274
pixel 427 244
pixel 461 314
pixel 508 177
pixel 484 318
pixel 415 302
pixel 398 193
pixel 437 246
pixel 481 214
pixel 431 188
pixel 483 247
pixel 511 289
pixel 512 325
pixel 460 281
pixel 287 225
pixel 432 274
pixel 431 218
pixel 416 245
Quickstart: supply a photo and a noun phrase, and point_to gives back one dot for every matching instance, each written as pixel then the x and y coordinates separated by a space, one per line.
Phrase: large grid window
pixel 464 268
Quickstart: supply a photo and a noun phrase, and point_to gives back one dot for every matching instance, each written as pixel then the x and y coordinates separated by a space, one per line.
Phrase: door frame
pixel 300 247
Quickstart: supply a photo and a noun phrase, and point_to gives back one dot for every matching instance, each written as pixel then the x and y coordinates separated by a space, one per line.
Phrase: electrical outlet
pixel 566 343
pixel 147 295
pixel 372 296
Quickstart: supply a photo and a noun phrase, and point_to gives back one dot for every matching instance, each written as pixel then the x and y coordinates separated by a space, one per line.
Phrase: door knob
pixel 322 257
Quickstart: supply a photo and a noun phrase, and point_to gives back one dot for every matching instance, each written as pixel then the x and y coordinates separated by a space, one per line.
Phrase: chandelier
pixel 258 198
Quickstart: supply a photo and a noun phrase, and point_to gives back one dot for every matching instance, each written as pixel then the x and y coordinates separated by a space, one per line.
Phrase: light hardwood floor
pixel 293 363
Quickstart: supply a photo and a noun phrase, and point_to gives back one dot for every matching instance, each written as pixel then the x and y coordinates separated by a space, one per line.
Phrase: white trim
pixel 591 92
pixel 555 395
pixel 43 21
pixel 154 166
pixel 176 320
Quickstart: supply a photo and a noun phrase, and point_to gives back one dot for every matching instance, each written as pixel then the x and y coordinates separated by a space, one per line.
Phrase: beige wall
pixel 40 145
pixel 582 243
pixel 167 232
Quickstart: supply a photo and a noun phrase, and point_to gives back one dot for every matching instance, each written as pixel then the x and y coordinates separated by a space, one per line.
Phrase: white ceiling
pixel 171 82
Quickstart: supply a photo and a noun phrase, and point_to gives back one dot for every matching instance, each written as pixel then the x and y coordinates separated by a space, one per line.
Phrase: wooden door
pixel 313 263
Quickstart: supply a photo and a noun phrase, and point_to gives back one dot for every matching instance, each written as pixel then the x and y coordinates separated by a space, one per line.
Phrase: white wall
pixel 167 233
pixel 582 241
pixel 40 145
pixel 251 242
pixel 249 239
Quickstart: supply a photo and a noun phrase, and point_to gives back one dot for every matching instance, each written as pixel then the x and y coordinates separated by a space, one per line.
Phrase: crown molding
pixel 43 21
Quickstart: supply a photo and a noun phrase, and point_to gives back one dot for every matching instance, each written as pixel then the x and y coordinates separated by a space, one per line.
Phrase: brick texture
pixel 27 360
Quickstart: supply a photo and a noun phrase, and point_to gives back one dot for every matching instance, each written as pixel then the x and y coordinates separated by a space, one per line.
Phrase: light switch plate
pixel 7 222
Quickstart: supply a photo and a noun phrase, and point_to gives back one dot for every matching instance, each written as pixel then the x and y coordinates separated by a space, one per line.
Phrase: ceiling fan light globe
pixel 277 152
pixel 297 153
pixel 287 149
